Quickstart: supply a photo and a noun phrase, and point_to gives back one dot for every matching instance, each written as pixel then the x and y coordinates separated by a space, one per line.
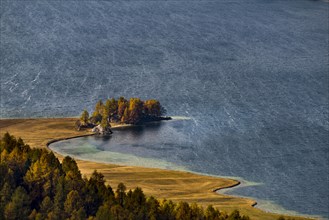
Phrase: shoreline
pixel 215 190
pixel 161 183
pixel 230 187
pixel 68 138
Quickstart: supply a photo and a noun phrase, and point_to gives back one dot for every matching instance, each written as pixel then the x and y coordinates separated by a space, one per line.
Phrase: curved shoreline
pixel 125 125
pixel 68 138
pixel 230 187
pixel 175 185
pixel 216 190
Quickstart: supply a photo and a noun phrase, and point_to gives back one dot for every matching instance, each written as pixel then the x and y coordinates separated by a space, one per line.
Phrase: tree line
pixel 132 111
pixel 35 185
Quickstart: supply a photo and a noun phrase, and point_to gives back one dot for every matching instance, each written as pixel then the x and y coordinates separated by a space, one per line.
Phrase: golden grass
pixel 174 185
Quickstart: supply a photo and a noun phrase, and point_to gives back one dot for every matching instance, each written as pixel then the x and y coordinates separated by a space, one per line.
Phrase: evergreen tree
pixel 59 199
pixel 5 196
pixel 41 177
pixel 135 110
pixel 68 164
pixel 17 162
pixel 107 106
pixel 125 116
pixel 19 206
pixel 120 193
pixel 111 107
pixel 46 207
pixel 152 107
pixel 138 197
pixel 104 213
pixel 122 105
pixel 84 118
pixel 211 213
pixel 73 202
pixel 99 107
pixel 105 122
pixel 7 175
pixel 109 195
pixel 78 214
pixel 183 211
pixel 153 208
pixel 9 142
pixel 118 213
pixel 97 114
pixel 95 190
pixel 235 215
pixel 196 212
pixel 73 178
pixel 168 210
pixel 33 215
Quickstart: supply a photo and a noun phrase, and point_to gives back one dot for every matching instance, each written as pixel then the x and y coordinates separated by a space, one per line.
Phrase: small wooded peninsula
pixel 133 111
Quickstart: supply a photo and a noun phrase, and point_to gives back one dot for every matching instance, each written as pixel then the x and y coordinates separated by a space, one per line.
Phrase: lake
pixel 249 80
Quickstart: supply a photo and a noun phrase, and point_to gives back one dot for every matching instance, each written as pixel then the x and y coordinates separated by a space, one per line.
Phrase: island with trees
pixel 133 111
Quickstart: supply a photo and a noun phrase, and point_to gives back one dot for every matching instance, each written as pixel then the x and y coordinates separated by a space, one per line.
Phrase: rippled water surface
pixel 251 76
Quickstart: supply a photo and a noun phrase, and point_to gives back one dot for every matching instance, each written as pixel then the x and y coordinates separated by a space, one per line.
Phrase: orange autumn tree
pixel 134 111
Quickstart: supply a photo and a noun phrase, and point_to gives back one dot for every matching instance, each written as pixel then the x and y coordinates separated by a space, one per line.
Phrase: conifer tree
pixel 73 202
pixel 183 211
pixel 196 211
pixel 152 107
pixel 68 164
pixel 120 193
pixel 73 178
pixel 79 214
pixel 46 207
pixel 211 213
pixel 59 199
pixel 19 206
pixel 125 116
pixel 111 107
pixel 105 122
pixel 104 213
pixel 135 110
pixel 168 210
pixel 122 105
pixel 5 196
pixel 152 208
pixel 84 118
pixel 97 114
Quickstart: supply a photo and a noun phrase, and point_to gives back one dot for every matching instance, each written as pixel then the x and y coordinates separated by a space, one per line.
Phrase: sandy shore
pixel 174 185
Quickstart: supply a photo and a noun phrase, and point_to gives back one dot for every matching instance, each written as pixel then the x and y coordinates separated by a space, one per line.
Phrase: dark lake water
pixel 250 76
